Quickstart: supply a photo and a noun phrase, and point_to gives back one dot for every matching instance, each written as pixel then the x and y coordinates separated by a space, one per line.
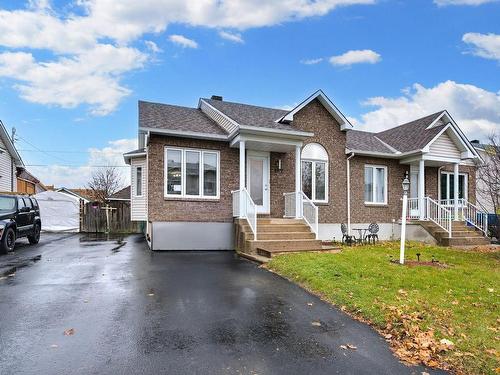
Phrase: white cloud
pixel 100 25
pixel 477 111
pixel 233 37
pixel 311 61
pixel 152 46
pixel 365 56
pixel 91 77
pixel 77 177
pixel 485 45
pixel 182 41
pixel 462 2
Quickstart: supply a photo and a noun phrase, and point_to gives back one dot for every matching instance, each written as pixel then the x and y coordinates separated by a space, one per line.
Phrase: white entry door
pixel 258 179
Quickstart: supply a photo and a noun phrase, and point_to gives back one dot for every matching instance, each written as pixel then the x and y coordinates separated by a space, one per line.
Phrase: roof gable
pixel 327 103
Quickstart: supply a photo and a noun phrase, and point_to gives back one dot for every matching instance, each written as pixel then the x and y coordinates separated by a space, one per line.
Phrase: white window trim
pixel 374 185
pixel 201 153
pixel 313 176
pixel 135 181
pixel 449 176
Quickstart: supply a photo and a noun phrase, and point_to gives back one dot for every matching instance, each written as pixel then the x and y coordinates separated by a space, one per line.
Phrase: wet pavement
pixel 138 312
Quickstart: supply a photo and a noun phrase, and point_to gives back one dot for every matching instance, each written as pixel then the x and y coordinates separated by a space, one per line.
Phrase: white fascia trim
pixel 276 132
pixel 387 145
pixel 117 199
pixel 456 129
pixel 327 103
pixel 381 154
pixel 127 157
pixel 433 123
pixel 265 139
pixel 236 124
pixel 186 134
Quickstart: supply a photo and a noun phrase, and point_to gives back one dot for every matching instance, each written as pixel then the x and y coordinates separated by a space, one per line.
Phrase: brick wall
pixel 161 209
pixel 364 213
pixel 316 119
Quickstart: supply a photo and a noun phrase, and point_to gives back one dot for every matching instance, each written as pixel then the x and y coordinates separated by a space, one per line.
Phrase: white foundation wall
pixel 387 232
pixel 191 236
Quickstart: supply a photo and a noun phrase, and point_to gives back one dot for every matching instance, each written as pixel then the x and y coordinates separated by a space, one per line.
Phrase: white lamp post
pixel 406 187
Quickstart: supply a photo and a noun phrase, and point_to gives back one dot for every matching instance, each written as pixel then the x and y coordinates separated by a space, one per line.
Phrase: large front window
pixel 191 173
pixel 447 186
pixel 315 172
pixel 375 184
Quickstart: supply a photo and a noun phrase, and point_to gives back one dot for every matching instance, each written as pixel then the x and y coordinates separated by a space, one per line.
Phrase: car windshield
pixel 7 204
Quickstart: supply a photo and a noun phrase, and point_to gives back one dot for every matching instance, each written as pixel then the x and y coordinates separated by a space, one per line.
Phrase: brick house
pixel 220 175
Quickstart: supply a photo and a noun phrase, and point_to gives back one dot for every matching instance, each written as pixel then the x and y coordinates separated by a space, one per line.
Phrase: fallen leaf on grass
pixel 491 290
pixel 492 352
pixel 69 332
pixel 447 343
pixel 454 303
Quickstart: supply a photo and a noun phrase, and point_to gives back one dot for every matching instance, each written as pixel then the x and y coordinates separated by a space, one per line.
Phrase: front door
pixel 258 179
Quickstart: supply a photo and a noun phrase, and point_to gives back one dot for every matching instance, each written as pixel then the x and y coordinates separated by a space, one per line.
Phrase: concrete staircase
pixel 462 235
pixel 275 236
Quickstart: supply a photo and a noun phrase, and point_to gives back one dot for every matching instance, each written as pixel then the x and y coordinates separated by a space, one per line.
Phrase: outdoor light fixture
pixel 406 187
pixel 279 165
pixel 418 257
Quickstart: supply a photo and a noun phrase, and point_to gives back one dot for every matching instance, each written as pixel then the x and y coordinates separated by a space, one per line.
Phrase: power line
pixel 67 152
pixel 77 166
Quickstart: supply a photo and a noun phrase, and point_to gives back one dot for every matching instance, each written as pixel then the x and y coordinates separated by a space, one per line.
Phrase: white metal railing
pixel 245 208
pixel 290 204
pixel 413 212
pixel 473 215
pixel 438 214
pixel 309 212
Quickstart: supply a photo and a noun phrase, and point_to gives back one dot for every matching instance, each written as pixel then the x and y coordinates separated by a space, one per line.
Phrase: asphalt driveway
pixel 137 312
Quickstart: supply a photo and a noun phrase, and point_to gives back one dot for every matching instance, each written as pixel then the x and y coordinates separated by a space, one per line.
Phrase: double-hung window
pixel 375 184
pixel 191 173
pixel 315 172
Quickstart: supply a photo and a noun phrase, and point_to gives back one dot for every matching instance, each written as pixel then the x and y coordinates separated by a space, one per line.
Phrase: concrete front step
pixel 279 228
pixel 466 233
pixel 279 221
pixel 269 253
pixel 464 241
pixel 283 245
pixel 285 235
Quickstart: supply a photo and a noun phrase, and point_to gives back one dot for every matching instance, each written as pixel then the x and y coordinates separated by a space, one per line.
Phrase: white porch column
pixel 297 182
pixel 421 188
pixel 455 191
pixel 242 179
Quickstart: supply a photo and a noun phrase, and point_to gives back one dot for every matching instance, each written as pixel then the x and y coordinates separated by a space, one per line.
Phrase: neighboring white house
pixel 484 201
pixel 10 160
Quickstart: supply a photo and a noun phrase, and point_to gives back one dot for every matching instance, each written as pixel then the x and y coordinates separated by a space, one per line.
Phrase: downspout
pixel 349 193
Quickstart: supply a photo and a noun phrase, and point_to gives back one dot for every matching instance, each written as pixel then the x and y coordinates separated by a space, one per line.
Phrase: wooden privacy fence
pixel 93 218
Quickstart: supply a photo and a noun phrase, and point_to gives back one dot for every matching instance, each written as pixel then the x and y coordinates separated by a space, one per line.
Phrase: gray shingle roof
pixel 251 115
pixel 121 194
pixel 172 117
pixel 413 135
pixel 365 141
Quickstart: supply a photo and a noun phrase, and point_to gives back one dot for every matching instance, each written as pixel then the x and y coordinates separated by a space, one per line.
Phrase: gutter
pixel 349 193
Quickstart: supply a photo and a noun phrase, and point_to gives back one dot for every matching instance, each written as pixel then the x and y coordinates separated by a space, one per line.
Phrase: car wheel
pixel 35 237
pixel 8 241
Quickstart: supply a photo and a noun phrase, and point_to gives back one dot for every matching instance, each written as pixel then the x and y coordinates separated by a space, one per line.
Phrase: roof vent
pixel 216 97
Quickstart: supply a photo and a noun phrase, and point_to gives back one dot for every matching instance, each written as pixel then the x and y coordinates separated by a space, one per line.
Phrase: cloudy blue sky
pixel 71 72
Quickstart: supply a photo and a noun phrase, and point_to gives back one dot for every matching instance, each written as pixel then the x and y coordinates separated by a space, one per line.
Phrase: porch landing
pixel 276 236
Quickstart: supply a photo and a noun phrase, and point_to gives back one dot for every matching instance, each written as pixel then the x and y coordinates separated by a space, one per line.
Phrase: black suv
pixel 19 217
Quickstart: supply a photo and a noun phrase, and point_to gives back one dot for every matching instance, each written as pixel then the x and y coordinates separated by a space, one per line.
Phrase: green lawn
pixel 414 307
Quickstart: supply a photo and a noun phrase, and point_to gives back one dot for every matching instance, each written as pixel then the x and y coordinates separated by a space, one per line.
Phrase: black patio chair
pixel 346 238
pixel 373 229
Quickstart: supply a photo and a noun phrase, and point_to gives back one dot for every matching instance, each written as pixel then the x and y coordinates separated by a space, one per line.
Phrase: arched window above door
pixel 315 172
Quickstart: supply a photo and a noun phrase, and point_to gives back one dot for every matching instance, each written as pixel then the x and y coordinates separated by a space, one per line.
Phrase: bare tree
pixel 488 175
pixel 104 182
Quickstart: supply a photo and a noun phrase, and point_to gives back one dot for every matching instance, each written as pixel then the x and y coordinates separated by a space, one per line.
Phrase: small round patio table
pixel 362 234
